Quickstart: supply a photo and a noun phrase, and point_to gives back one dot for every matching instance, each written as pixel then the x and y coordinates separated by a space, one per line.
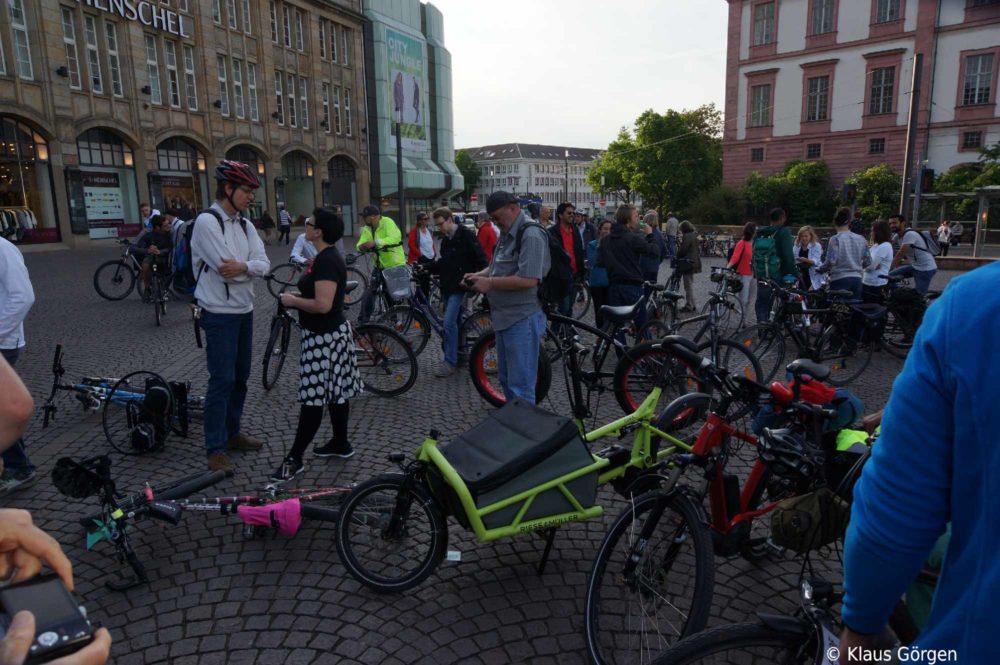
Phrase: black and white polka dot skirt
pixel 328 369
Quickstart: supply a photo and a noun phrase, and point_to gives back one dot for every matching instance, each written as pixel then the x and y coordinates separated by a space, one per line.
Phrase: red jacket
pixel 488 239
pixel 414 246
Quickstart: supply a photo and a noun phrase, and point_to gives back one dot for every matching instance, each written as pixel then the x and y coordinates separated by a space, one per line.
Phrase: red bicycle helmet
pixel 237 173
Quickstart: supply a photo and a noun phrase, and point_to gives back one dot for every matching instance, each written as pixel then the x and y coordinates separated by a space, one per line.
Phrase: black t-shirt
pixel 327 266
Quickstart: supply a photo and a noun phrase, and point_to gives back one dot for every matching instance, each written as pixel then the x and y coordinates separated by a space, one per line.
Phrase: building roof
pixel 532 151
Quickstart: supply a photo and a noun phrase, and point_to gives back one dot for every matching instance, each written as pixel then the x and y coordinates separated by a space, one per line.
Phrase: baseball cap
pixel 498 200
pixel 370 210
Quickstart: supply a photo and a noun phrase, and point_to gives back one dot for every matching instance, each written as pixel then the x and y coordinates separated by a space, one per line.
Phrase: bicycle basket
pixel 397 282
pixel 810 521
pixel 79 481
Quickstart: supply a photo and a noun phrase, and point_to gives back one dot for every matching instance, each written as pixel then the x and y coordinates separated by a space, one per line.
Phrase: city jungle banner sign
pixel 406 89
pixel 148 13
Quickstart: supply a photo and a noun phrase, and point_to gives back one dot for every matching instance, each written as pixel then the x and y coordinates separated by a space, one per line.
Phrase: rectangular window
pixel 290 96
pixel 978 79
pixel 69 40
pixel 876 146
pixel 813 150
pixel 326 107
pixel 223 87
pixel 231 13
pixel 763 24
pixel 182 5
pixel 274 22
pixel 22 47
pixel 298 31
pixel 287 27
pixel 822 17
pixel 247 23
pixel 238 89
pixel 114 64
pixel 93 56
pixel 322 38
pixel 817 98
pixel 216 11
pixel 173 81
pixel 333 42
pixel 337 126
pixel 760 105
pixel 881 93
pixel 304 103
pixel 277 94
pixel 756 154
pixel 153 70
pixel 189 79
pixel 252 91
pixel 348 42
pixel 347 111
pixel 886 10
pixel 972 140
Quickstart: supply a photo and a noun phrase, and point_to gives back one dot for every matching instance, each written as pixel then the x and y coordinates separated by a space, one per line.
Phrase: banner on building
pixel 102 200
pixel 407 85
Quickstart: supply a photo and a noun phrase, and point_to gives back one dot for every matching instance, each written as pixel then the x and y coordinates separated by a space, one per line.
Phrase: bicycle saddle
pixel 620 313
pixel 803 367
pixel 671 295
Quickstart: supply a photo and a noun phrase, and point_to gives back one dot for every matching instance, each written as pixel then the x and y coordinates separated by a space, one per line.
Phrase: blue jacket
pixel 936 461
pixel 598 275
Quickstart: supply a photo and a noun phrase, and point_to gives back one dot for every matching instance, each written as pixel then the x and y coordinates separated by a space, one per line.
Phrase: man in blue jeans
pixel 16 299
pixel 226 255
pixel 920 263
pixel 511 283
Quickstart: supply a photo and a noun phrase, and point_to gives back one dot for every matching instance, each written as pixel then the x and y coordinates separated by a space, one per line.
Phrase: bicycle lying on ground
pixel 273 509
pixel 115 279
pixel 138 411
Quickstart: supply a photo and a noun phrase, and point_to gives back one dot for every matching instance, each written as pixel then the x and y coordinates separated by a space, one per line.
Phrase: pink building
pixel 830 80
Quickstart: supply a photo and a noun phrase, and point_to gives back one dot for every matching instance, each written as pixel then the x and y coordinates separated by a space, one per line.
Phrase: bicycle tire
pixel 641 368
pixel 283 276
pixel 899 330
pixel 733 357
pixel 116 272
pixel 731 314
pixel 381 352
pixel 581 301
pixel 766 341
pixel 355 275
pixel 134 410
pixel 474 325
pixel 611 639
pixel 177 489
pixel 156 294
pixel 749 643
pixel 436 530
pixel 846 359
pixel 653 331
pixel 409 322
pixel 275 352
pixel 483 365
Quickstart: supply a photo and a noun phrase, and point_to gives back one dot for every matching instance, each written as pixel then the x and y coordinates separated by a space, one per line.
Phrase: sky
pixel 573 72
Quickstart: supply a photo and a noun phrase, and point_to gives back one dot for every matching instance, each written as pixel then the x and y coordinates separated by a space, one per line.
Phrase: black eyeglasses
pixel 310 225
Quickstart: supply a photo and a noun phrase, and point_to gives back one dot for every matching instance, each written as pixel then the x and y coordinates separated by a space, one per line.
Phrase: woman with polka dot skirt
pixel 328 369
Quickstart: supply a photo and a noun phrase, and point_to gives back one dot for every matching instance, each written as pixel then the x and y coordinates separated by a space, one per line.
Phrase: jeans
pixel 284 232
pixel 599 298
pixel 747 292
pixel 452 310
pixel 852 284
pixel 565 306
pixel 15 458
pixel 921 278
pixel 517 356
pixel 228 348
pixel 671 249
pixel 765 298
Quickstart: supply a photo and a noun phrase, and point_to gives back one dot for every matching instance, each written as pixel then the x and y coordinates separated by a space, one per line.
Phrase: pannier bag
pixel 810 521
pixel 516 448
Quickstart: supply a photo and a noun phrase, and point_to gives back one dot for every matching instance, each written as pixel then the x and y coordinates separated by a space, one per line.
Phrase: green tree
pixel 611 173
pixel 719 205
pixel 803 189
pixel 878 189
pixel 959 178
pixel 470 171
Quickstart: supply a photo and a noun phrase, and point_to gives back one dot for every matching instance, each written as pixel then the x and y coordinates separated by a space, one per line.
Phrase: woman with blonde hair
pixel 809 255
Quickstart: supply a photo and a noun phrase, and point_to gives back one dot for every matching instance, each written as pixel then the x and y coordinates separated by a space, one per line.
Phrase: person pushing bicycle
pixel 154 245
pixel 381 235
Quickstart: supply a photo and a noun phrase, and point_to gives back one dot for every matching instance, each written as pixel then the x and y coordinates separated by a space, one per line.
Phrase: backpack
pixel 184 280
pixel 765 260
pixel 931 245
pixel 558 282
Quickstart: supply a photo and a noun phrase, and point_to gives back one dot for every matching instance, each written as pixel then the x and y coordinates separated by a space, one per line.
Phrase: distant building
pixel 829 79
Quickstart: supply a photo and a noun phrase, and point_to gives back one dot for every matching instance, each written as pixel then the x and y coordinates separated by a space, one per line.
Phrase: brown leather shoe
pixel 220 462
pixel 243 442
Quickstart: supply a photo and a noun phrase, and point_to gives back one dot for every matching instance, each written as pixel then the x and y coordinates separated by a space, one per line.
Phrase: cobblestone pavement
pixel 217 597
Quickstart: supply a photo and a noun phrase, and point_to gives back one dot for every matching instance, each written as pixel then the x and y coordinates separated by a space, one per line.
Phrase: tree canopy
pixel 803 189
pixel 470 171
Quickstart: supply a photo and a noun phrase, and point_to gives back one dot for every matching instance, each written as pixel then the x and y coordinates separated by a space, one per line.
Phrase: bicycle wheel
pixel 747 644
pixel 732 357
pixel 653 331
pixel 730 312
pixel 900 328
pixel 767 343
pixel 156 295
pixel 409 322
pixel 474 325
pixel 275 352
pixel 581 302
pixel 846 357
pixel 645 366
pixel 387 364
pixel 114 280
pixel 138 413
pixel 652 580
pixel 384 556
pixel 355 275
pixel 483 368
pixel 282 277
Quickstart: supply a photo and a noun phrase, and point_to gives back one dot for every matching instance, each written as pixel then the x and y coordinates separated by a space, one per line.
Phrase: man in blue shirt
pixel 936 461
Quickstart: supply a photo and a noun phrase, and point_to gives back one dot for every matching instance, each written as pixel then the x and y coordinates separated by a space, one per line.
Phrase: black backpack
pixel 557 283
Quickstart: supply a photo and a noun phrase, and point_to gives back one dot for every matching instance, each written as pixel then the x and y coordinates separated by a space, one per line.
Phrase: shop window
pixel 27 213
pixel 99 147
pixel 176 154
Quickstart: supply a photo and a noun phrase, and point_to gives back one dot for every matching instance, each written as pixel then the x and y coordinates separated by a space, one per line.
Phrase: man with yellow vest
pixel 381 235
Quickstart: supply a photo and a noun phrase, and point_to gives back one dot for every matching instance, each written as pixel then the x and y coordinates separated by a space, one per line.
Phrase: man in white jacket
pixel 226 255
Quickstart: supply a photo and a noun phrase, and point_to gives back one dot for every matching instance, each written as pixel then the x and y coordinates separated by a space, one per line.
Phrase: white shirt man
pixel 303 250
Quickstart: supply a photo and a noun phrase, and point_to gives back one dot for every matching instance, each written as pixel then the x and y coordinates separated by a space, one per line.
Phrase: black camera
pixel 61 624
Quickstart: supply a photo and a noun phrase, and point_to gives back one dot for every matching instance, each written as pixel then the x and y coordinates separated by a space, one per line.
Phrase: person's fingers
pixel 41 545
pixel 95 653
pixel 27 565
pixel 15 644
